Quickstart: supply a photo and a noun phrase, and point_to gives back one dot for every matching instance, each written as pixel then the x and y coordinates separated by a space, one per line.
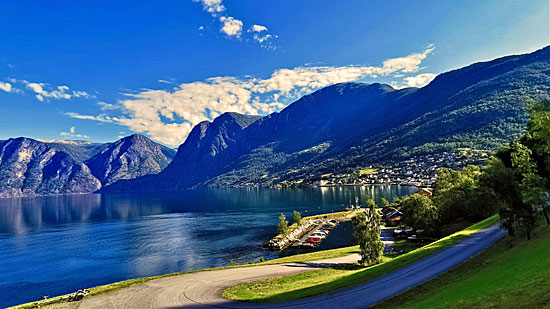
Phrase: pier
pixel 311 232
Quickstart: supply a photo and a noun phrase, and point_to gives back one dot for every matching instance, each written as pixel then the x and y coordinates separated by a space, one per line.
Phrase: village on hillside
pixel 420 171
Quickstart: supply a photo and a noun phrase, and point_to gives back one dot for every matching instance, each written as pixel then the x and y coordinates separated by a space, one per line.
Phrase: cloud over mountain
pixel 168 116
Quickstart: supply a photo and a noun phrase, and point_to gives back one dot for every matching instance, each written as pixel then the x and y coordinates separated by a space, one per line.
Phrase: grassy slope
pixel 325 280
pixel 513 273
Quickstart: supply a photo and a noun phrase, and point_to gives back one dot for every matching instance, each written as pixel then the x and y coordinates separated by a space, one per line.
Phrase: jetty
pixel 311 232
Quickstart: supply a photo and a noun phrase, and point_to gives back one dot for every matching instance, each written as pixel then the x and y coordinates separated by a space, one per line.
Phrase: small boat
pixel 307 245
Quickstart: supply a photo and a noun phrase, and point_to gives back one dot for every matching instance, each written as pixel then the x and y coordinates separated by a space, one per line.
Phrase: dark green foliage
pixel 296 217
pixel 457 195
pixel 518 175
pixel 420 213
pixel 282 226
pixel 366 229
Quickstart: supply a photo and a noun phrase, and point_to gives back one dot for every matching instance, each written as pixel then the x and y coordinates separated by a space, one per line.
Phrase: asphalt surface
pixel 204 289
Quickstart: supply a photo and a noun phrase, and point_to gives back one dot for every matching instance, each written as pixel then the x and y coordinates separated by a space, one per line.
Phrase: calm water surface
pixel 57 245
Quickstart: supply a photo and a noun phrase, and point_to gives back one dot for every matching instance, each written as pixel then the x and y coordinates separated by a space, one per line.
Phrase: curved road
pixel 204 289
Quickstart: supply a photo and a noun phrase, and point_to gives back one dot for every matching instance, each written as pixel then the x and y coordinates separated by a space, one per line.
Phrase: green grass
pixel 513 273
pixel 329 279
pixel 368 171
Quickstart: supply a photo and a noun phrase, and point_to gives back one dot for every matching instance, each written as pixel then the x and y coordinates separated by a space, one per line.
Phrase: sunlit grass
pixel 513 273
pixel 329 279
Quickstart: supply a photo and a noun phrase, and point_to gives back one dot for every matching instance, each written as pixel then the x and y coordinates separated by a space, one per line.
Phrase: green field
pixel 368 171
pixel 329 279
pixel 513 273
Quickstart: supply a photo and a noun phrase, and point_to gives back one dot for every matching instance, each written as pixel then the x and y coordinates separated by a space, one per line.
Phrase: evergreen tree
pixel 297 218
pixel 366 229
pixel 282 226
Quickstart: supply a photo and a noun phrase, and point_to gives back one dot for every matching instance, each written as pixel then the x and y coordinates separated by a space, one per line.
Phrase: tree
pixel 515 183
pixel 366 229
pixel 537 139
pixel 282 226
pixel 297 218
pixel 457 195
pixel 384 203
pixel 420 213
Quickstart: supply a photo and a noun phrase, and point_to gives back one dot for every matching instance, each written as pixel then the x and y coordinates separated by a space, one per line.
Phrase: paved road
pixel 203 289
pixel 387 238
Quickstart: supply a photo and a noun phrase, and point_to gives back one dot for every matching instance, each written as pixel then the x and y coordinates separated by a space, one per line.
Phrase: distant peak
pixel 135 137
pixel 241 119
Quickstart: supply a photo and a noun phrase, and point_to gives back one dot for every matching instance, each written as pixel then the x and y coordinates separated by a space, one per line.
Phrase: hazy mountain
pixel 481 106
pixel 30 167
pixel 78 150
pixel 130 157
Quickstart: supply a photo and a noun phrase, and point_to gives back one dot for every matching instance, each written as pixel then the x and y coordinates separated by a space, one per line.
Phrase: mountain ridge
pixel 353 124
pixel 30 167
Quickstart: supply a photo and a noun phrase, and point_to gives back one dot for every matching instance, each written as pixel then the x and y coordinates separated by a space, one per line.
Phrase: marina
pixel 311 232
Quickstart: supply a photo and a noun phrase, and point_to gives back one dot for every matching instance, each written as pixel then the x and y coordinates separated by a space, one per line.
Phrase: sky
pixel 101 70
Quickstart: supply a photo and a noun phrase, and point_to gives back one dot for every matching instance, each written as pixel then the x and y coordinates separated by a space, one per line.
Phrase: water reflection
pixel 55 245
pixel 19 216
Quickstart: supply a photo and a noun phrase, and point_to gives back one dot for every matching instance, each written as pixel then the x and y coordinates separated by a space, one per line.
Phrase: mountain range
pixel 30 167
pixel 481 106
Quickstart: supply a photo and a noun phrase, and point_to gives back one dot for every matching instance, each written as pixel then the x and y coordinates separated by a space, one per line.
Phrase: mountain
pixel 78 150
pixel 130 157
pixel 29 167
pixel 206 150
pixel 481 106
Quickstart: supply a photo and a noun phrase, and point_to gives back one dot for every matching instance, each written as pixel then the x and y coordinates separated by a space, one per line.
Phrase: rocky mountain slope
pixel 78 150
pixel 128 158
pixel 29 167
pixel 481 106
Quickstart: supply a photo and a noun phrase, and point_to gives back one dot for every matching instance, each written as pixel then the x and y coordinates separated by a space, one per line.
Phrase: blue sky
pixel 103 69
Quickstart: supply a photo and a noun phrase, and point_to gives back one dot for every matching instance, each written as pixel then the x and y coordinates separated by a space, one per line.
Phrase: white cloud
pixel 35 87
pixel 168 116
pixel 419 80
pixel 72 134
pixel 5 86
pixel 106 106
pixel 212 6
pixel 407 64
pixel 43 91
pixel 261 39
pixel 231 26
pixel 100 118
pixel 258 28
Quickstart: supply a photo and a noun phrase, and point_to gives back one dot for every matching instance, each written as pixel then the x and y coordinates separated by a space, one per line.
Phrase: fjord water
pixel 59 244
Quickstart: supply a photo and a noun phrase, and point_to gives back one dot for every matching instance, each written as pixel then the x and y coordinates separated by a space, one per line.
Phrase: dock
pixel 311 232
pixel 315 236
